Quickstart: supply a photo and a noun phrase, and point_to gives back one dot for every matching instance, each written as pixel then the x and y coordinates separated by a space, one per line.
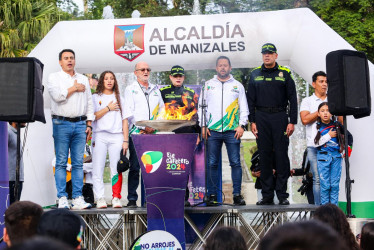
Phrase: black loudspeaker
pixel 348 83
pixel 21 94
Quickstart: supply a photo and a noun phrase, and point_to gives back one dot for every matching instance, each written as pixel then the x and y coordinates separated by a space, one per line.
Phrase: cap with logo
pixel 268 47
pixel 177 70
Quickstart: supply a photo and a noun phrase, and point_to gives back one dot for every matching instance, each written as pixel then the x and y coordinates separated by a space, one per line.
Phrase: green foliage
pixel 23 24
pixel 352 19
pixel 232 6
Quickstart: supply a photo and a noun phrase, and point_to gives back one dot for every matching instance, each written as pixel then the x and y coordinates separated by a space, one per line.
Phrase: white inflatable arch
pixel 302 40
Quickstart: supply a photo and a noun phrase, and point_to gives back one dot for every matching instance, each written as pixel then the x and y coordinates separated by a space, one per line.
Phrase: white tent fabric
pixel 302 40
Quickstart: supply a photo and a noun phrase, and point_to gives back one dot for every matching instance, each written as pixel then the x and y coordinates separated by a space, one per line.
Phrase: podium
pixel 165 161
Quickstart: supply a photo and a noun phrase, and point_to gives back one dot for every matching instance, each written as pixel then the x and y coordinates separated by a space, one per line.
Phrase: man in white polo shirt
pixel 72 114
pixel 308 115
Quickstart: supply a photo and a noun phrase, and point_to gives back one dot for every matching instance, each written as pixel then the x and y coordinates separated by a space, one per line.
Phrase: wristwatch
pixel 244 127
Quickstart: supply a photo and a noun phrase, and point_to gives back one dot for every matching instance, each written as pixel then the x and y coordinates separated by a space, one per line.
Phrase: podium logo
pixel 151 160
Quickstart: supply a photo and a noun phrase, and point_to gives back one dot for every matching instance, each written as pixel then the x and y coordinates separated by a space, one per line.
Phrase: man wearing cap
pixel 176 96
pixel 271 90
pixel 226 117
pixel 72 114
pixel 142 102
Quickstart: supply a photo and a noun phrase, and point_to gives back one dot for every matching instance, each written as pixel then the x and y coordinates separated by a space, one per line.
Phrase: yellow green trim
pixel 193 91
pixel 284 68
pixel 166 87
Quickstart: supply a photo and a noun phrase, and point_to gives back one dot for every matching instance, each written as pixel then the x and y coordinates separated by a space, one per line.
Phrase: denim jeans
pixel 330 169
pixel 312 159
pixel 215 141
pixel 69 135
pixel 133 178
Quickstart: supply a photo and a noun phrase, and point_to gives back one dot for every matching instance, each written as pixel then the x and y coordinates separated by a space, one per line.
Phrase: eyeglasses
pixel 176 76
pixel 144 69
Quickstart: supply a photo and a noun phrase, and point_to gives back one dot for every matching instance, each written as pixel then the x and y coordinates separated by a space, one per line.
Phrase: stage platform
pixel 117 228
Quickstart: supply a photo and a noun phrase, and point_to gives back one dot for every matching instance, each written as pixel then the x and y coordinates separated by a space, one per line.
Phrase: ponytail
pixel 318 136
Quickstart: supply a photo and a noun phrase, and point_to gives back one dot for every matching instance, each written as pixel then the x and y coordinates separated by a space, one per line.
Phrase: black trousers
pixel 12 185
pixel 272 145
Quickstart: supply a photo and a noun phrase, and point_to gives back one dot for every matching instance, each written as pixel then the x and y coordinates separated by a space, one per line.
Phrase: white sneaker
pixel 79 203
pixel 101 203
pixel 116 203
pixel 63 203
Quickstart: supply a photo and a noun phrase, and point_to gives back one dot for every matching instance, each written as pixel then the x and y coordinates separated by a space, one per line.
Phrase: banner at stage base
pixel 155 240
pixel 4 177
pixel 165 161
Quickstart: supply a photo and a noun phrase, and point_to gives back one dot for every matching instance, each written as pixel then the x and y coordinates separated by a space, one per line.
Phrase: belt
pixel 70 119
pixel 271 109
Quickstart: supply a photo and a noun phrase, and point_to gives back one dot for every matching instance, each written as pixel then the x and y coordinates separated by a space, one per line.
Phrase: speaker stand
pixel 348 181
pixel 16 186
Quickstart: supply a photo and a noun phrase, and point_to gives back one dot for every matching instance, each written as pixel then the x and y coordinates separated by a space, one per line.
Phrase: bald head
pixel 142 72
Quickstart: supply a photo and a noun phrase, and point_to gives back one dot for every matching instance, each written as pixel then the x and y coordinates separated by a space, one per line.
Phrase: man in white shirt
pixel 143 101
pixel 308 115
pixel 72 114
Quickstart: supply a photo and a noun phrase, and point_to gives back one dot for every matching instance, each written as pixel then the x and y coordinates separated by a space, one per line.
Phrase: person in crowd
pixel 39 242
pixel 12 161
pixel 109 137
pixel 336 219
pixel 63 225
pixel 256 172
pixel 308 115
pixel 304 235
pixel 367 236
pixel 270 91
pixel 181 103
pixel 21 220
pixel 307 181
pixel 143 101
pixel 225 238
pixel 226 117
pixel 329 159
pixel 72 114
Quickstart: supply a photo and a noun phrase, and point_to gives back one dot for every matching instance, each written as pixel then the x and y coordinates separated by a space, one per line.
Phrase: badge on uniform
pixel 281 74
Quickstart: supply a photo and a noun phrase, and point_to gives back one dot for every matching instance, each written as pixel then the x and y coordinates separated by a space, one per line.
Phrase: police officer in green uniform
pixel 272 105
pixel 178 97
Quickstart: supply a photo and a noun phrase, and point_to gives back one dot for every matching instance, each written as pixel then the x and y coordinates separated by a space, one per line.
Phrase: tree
pixel 353 20
pixel 24 23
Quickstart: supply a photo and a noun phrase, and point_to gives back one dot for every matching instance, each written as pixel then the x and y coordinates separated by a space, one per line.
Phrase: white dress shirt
pixel 311 104
pixel 78 104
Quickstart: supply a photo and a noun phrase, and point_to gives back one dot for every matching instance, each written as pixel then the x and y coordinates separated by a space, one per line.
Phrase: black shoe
pixel 239 200
pixel 265 202
pixel 132 204
pixel 187 204
pixel 212 200
pixel 284 202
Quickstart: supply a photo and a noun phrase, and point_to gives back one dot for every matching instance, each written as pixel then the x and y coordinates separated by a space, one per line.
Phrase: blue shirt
pixel 333 143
